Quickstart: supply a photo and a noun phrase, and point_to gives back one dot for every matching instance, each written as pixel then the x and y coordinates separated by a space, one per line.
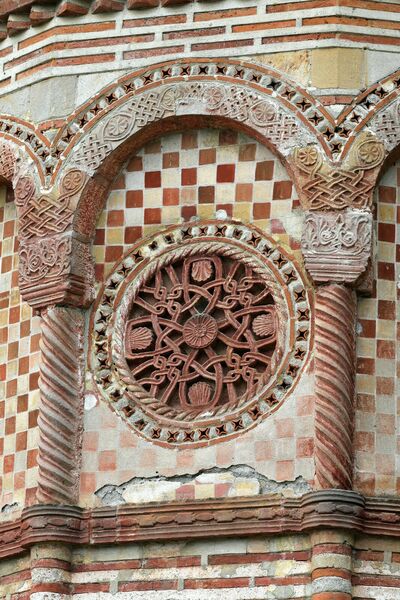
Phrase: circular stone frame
pixel 112 374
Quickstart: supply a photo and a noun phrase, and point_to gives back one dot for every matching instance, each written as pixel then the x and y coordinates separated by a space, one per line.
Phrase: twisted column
pixel 60 413
pixel 335 385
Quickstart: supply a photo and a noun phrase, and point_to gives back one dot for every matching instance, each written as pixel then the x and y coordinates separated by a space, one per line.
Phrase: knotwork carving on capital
pixel 327 186
pixel 337 245
pixel 42 214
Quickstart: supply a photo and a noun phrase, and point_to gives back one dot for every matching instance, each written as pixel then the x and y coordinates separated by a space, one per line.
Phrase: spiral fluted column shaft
pixel 60 412
pixel 335 385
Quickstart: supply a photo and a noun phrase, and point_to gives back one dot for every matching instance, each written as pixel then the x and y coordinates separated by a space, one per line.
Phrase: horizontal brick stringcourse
pixel 201 519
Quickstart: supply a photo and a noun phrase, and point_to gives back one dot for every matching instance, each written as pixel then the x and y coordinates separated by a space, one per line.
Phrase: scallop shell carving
pixel 200 394
pixel 264 325
pixel 202 270
pixel 140 338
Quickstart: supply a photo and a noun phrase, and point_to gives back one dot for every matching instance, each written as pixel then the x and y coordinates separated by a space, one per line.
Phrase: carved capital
pixel 337 245
pixel 56 270
pixel 330 186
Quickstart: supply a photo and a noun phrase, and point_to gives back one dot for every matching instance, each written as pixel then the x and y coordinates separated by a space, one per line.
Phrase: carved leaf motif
pixel 264 325
pixel 200 394
pixel 202 270
pixel 140 338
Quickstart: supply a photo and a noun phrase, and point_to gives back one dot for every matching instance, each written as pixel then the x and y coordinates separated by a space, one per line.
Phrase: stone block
pixel 342 68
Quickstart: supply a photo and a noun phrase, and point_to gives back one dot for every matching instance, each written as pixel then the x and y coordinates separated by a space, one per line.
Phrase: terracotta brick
pixel 387 194
pixel 107 460
pixel 261 210
pixel 189 176
pixel 170 196
pixel 132 234
pixel 189 140
pixel 152 216
pixel 206 194
pixel 264 170
pixel 134 199
pixel 135 164
pixel 282 190
pixel 228 137
pixel 170 160
pixel 115 218
pixel 21 441
pixel 247 152
pixel 244 192
pixel 152 179
pixel 207 156
pixel 225 173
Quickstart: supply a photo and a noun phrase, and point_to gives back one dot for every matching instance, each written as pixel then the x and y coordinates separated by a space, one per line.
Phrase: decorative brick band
pixel 59 422
pixel 335 374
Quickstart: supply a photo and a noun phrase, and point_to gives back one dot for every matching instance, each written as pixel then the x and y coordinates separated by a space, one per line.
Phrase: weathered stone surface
pixel 337 245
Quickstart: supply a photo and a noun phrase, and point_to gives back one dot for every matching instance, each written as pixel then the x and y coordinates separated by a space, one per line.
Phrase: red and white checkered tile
pixel 19 364
pixel 378 407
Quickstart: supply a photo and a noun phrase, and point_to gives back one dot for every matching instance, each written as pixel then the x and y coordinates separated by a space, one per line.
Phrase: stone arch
pixel 169 97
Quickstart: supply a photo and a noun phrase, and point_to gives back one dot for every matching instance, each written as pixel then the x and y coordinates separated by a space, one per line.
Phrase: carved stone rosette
pixel 61 393
pixel 337 245
pixel 200 332
pixel 335 312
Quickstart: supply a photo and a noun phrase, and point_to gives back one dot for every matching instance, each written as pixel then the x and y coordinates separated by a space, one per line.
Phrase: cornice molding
pixel 262 515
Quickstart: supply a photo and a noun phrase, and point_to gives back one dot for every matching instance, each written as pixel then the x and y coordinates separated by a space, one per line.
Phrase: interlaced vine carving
pixel 326 187
pixel 203 333
pixel 47 214
pixel 235 102
pixel 194 337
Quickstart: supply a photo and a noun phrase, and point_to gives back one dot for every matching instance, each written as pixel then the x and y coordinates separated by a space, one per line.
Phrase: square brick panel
pixel 196 174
